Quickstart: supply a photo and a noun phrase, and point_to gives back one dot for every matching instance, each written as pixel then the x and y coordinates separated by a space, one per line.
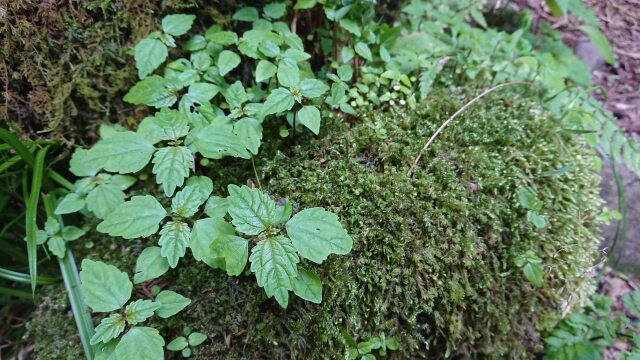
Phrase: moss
pixel 432 263
pixel 64 68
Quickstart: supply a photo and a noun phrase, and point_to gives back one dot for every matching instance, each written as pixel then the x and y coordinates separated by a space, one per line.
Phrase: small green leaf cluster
pixel 529 262
pixel 313 234
pixel 364 350
pixel 96 192
pixel 585 335
pixel 528 200
pixel 107 289
pixel 202 83
pixel 56 237
pixel 186 343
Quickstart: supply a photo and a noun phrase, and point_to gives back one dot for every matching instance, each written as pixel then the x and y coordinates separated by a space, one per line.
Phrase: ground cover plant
pixel 281 151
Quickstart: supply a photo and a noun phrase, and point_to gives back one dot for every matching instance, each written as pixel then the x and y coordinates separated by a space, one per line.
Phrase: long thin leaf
pixel 71 278
pixel 31 215
pixel 16 293
pixel 25 278
pixel 17 145
pixel 28 157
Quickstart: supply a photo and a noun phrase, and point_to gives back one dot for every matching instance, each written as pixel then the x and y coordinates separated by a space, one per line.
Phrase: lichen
pixel 433 257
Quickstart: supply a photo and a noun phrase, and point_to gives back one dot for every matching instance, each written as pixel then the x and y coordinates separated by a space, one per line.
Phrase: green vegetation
pixel 279 135
pixel 585 335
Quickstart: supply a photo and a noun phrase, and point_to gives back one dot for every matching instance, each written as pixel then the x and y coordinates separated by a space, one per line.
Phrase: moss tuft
pixel 433 258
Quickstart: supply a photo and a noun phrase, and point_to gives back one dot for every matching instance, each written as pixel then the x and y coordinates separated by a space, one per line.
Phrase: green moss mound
pixel 433 258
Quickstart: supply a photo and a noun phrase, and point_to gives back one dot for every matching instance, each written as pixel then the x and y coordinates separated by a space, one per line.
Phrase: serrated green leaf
pixel 149 54
pixel 174 239
pixel 308 286
pixel 217 141
pixel 246 14
pixel 351 26
pixel 275 10
pixel 279 100
pixel 108 329
pixel 178 344
pixel 57 246
pixel 295 55
pixel 139 311
pixel 80 163
pixel 140 343
pixel 201 93
pixel 235 95
pixel 104 199
pixel 70 233
pixel 533 273
pixel 151 91
pixel 312 88
pixel 71 203
pixel 274 261
pixel 172 165
pixel 177 24
pixel 288 74
pixel 265 70
pixel 309 116
pixel 224 38
pixel 171 303
pixel 105 287
pixel 170 125
pixel 201 60
pixel 187 201
pixel 204 232
pixel 345 72
pixel 234 250
pixel 252 210
pixel 106 351
pixel 227 61
pixel 41 237
pixel 195 43
pixel 249 131
pixel 122 182
pixel 316 233
pixel 305 4
pixel 528 200
pixel 363 50
pixel 51 226
pixel 126 152
pixel 203 184
pixel 216 207
pixel 138 217
pixel 150 265
pixel 196 338
pixel 269 49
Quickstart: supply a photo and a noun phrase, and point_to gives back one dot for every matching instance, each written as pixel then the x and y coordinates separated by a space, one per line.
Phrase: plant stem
pixel 462 109
pixel 255 172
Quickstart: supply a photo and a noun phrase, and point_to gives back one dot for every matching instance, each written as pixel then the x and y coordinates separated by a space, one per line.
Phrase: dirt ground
pixel 620 22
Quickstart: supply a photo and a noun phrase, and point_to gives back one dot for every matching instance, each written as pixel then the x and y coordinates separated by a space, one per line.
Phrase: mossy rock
pixel 433 257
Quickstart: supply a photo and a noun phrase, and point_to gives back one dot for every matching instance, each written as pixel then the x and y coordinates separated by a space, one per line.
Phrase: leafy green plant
pixel 108 289
pixel 528 200
pixel 364 350
pixel 56 237
pixel 590 26
pixel 529 262
pixel 186 343
pixel 585 335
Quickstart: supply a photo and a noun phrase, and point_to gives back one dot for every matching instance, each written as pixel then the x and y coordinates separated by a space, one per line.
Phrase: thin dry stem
pixel 415 162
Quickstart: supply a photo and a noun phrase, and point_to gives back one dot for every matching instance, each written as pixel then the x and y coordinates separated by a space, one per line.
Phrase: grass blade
pixel 71 278
pixel 15 292
pixel 31 215
pixel 25 278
